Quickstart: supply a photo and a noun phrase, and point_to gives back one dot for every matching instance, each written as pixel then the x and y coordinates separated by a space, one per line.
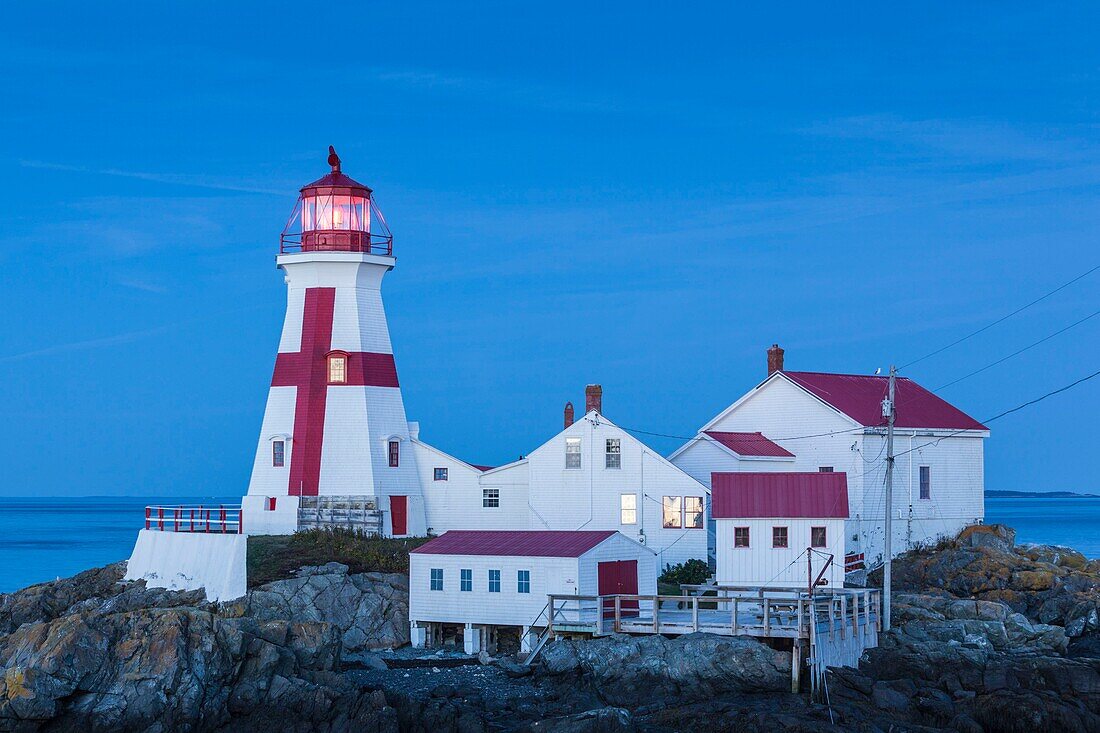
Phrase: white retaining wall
pixel 189 561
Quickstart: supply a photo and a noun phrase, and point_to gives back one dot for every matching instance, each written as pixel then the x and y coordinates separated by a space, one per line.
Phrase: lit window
pixel 439 474
pixel 693 512
pixel 437 578
pixel 672 516
pixel 278 453
pixel 779 537
pixel 337 369
pixel 824 469
pixel 740 536
pixel 817 537
pixel 395 453
pixel 628 509
pixel 490 498
pixel 466 580
pixel 613 456
pixel 572 452
pixel 926 482
pixel 494 581
pixel 523 581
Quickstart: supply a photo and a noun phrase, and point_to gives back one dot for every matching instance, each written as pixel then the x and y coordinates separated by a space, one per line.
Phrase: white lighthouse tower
pixel 334 431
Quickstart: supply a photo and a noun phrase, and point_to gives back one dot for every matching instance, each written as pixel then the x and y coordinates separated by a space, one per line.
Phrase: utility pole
pixel 888 412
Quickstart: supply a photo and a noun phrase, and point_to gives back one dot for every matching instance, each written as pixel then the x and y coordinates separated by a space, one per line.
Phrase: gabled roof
pixel 481 468
pixel 745 495
pixel 860 398
pixel 749 444
pixel 514 543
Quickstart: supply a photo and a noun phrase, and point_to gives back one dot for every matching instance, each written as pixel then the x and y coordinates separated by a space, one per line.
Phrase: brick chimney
pixel 593 398
pixel 775 359
pixel 568 414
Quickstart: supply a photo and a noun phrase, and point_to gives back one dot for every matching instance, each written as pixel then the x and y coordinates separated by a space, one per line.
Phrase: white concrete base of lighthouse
pixel 189 561
pixel 270 514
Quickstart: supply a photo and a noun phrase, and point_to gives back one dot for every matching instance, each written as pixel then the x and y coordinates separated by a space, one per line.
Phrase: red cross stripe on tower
pixel 307 370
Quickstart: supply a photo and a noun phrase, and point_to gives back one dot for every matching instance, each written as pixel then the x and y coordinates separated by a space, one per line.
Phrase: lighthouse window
pixel 572 452
pixel 337 369
pixel 395 453
pixel 278 453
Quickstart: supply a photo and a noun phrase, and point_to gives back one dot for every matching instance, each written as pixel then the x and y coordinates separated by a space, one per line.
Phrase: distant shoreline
pixel 996 494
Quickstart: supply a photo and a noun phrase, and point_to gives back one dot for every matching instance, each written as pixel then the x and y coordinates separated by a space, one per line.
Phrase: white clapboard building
pixel 779 530
pixel 484 580
pixel 814 421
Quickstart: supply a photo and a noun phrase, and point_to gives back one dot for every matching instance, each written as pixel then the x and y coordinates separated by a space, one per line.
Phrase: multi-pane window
pixel 672 512
pixel 337 369
pixel 818 537
pixel 494 581
pixel 779 536
pixel 395 453
pixel 926 482
pixel 437 578
pixel 824 469
pixel 466 579
pixel 612 455
pixel 523 581
pixel 740 536
pixel 490 498
pixel 439 474
pixel 628 509
pixel 693 512
pixel 278 453
pixel 572 452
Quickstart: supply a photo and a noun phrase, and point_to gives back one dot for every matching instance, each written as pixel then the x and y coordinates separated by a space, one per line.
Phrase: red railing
pixel 221 519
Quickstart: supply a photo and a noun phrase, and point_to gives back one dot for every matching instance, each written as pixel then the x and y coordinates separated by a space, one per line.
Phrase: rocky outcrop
pixel 647 670
pixel 370 610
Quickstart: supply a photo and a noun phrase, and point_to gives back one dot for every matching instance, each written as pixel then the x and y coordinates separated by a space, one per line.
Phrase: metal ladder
pixel 543 637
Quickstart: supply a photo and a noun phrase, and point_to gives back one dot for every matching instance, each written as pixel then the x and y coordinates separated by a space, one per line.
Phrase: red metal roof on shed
pixel 517 544
pixel 860 398
pixel 750 444
pixel 757 495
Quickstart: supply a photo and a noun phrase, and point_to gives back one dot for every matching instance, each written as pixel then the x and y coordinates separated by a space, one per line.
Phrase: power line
pixel 1001 319
pixel 705 437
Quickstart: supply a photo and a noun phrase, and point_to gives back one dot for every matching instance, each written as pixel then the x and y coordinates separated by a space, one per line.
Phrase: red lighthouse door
pixel 399 515
pixel 618 577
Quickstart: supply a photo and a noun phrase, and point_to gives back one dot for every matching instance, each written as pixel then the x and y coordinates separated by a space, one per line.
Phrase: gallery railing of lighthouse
pixel 219 519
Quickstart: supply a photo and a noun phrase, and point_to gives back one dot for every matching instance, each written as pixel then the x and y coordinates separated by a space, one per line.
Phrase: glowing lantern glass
pixel 336 213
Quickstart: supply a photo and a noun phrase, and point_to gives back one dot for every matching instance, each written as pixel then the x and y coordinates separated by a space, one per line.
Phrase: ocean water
pixel 48 538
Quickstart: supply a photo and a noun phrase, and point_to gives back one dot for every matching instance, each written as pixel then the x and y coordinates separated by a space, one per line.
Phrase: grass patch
pixel 275 557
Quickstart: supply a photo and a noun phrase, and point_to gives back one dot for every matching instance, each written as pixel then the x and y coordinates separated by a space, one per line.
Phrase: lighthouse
pixel 334 432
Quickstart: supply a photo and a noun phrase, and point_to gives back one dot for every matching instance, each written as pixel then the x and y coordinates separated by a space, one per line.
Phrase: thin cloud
pixel 121 338
pixel 176 179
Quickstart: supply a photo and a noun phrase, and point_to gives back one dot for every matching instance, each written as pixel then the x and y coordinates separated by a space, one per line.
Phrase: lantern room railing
pixel 220 519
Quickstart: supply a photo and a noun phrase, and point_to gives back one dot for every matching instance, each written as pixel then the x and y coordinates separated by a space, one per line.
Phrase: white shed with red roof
pixel 482 580
pixel 779 529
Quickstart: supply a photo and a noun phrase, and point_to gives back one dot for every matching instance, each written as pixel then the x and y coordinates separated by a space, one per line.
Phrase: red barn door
pixel 399 515
pixel 618 577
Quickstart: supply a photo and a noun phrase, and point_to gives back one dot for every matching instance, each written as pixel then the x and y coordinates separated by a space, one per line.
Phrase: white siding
pixel 618 547
pixel 457 502
pixel 761 564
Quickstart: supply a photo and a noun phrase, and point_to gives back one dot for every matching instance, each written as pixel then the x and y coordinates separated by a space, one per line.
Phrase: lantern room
pixel 336 214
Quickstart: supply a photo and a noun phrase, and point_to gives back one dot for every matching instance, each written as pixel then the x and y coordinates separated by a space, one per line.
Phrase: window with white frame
pixel 672 512
pixel 439 474
pixel 612 454
pixel 338 369
pixel 824 469
pixel 466 580
pixel 394 453
pixel 779 537
pixel 572 452
pixel 693 512
pixel 818 537
pixel 490 498
pixel 278 453
pixel 523 581
pixel 494 581
pixel 628 509
pixel 437 579
pixel 740 536
pixel 926 482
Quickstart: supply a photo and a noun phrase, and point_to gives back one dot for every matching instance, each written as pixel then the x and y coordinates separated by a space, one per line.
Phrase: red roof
pixel 481 468
pixel 522 544
pixel 750 444
pixel 860 398
pixel 756 495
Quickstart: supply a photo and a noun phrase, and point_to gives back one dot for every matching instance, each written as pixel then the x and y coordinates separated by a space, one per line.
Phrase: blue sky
pixel 641 197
